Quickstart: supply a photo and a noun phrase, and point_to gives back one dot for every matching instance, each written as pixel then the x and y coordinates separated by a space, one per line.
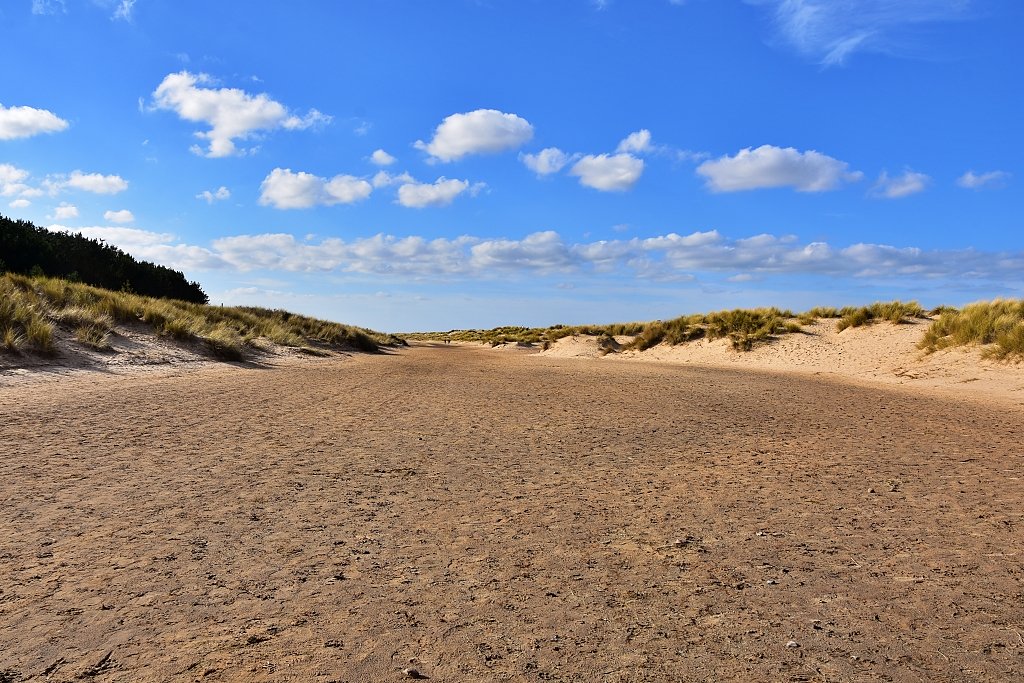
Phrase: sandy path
pixel 505 517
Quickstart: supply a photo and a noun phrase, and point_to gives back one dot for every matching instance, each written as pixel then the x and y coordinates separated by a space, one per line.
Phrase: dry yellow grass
pixel 31 309
pixel 997 324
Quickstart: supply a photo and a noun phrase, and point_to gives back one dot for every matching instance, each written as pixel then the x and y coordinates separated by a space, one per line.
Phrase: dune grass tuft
pixel 811 316
pixel 12 339
pixel 997 324
pixel 746 327
pixel 895 312
pixel 39 334
pixel 93 337
pixel 225 342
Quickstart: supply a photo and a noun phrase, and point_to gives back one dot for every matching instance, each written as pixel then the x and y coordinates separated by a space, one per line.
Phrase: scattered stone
pixel 413 673
pixel 792 644
pixel 771 582
pixel 871 490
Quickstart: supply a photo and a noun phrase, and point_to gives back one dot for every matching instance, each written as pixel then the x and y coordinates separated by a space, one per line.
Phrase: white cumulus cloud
pixel 608 173
pixel 19 204
pixel 896 187
pixel 385 179
pixel 122 216
pixel 382 158
pixel 545 162
pixel 540 251
pixel 97 183
pixel 231 113
pixel 770 166
pixel 12 181
pixel 23 122
pixel 65 211
pixel 284 189
pixel 477 132
pixel 637 142
pixel 441 192
pixel 978 181
pixel 210 197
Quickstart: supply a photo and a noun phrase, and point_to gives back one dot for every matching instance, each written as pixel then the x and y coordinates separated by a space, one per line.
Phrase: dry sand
pixel 879 353
pixel 483 516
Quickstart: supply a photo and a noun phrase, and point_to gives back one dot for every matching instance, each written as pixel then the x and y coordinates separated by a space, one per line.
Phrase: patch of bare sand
pixel 487 516
pixel 876 353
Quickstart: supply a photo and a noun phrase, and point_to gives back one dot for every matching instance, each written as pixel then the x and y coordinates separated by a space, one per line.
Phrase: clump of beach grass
pixel 896 312
pixel 746 327
pixel 12 339
pixel 93 337
pixel 998 325
pixel 23 317
pixel 811 316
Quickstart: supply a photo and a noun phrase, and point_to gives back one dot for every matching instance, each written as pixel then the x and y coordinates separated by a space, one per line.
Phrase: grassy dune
pixel 744 328
pixel 996 325
pixel 34 309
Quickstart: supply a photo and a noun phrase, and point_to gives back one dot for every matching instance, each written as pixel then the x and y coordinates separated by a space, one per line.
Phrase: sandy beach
pixel 483 516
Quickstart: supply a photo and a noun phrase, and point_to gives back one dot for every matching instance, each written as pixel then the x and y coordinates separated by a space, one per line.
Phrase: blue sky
pixel 406 165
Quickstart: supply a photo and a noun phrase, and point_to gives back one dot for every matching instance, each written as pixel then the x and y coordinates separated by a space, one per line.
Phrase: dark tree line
pixel 28 249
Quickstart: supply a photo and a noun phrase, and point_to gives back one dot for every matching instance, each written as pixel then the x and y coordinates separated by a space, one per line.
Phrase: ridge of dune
pixel 881 352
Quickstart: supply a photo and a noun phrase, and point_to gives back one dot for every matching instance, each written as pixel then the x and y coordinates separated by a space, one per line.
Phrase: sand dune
pixel 876 353
pixel 487 516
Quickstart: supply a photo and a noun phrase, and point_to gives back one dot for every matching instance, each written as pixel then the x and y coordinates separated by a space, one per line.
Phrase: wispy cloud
pixel 211 196
pixel 980 181
pixel 123 11
pixel 830 31
pixel 899 186
pixel 44 7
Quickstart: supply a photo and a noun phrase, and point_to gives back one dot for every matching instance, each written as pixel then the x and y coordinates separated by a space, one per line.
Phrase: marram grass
pixel 33 308
pixel 895 312
pixel 997 325
pixel 744 328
